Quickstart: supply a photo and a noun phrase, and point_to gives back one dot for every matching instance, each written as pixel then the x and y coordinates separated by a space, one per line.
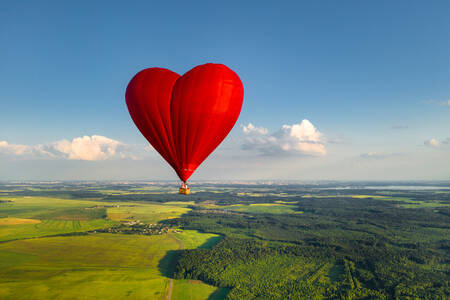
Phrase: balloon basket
pixel 185 191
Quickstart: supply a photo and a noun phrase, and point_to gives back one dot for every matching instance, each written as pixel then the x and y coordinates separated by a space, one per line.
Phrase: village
pixel 136 227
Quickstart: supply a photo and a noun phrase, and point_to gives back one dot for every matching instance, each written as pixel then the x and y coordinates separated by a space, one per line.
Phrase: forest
pixel 338 247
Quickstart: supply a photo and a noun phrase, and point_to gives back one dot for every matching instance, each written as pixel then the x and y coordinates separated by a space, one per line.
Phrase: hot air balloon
pixel 185 117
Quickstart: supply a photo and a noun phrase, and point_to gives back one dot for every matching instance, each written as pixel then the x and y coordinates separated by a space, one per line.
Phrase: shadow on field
pixel 168 263
pixel 209 243
pixel 219 294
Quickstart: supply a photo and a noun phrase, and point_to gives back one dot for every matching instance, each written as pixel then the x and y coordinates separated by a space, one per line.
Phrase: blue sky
pixel 372 78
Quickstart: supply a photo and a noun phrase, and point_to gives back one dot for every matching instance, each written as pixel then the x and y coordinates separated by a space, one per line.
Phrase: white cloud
pixel 91 148
pixel 96 147
pixel 441 103
pixel 445 103
pixel 250 128
pixel 433 143
pixel 13 149
pixel 301 139
pixel 379 155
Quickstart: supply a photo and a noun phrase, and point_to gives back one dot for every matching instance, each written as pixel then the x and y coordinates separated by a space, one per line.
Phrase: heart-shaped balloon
pixel 185 117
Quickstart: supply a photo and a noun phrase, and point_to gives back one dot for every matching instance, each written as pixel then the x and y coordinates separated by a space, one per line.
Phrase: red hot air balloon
pixel 185 117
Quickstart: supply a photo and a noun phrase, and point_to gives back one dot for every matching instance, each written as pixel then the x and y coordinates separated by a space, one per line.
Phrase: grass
pixel 194 289
pixel 193 239
pixel 97 266
pixel 100 266
pixel 83 213
pixel 18 221
pixel 149 213
pixel 286 202
pixel 33 207
pixel 49 227
pixel 31 217
pixel 180 203
pixel 424 204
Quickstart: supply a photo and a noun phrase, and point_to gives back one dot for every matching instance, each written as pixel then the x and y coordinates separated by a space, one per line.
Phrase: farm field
pixel 37 260
pixel 258 241
pixel 149 213
pixel 104 266
pixel 48 227
pixel 30 217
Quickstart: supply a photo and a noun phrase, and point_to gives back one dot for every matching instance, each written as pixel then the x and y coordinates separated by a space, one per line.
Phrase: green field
pixel 194 289
pixel 149 213
pixel 103 266
pixel 49 227
pixel 54 216
pixel 30 207
pixel 192 239
pixel 37 264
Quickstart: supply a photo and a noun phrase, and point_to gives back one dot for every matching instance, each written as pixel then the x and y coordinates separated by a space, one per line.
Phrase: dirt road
pixel 180 247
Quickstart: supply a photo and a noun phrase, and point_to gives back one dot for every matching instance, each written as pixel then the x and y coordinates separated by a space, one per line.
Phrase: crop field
pixel 30 217
pixel 104 266
pixel 192 239
pixel 18 221
pixel 195 289
pixel 38 262
pixel 149 213
pixel 49 227
pixel 30 207
pixel 144 241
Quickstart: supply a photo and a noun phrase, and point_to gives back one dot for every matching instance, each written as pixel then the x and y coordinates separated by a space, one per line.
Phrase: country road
pixel 180 247
pixel 169 295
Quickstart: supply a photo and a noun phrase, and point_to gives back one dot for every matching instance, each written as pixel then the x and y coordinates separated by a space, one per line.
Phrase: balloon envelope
pixel 185 117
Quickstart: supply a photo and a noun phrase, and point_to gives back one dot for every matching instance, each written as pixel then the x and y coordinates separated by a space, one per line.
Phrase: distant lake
pixel 409 187
pixel 390 187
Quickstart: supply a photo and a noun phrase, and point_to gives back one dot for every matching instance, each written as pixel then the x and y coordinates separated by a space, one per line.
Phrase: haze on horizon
pixel 333 91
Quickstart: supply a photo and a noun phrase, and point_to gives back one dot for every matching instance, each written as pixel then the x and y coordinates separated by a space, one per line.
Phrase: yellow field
pixel 149 213
pixel 180 203
pixel 18 221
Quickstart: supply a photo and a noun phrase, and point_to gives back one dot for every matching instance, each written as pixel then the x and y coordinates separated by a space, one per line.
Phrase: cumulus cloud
pixel 300 139
pixel 13 149
pixel 251 129
pixel 91 148
pixel 95 147
pixel 433 143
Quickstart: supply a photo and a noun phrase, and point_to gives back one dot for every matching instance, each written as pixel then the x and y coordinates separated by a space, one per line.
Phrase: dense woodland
pixel 338 248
